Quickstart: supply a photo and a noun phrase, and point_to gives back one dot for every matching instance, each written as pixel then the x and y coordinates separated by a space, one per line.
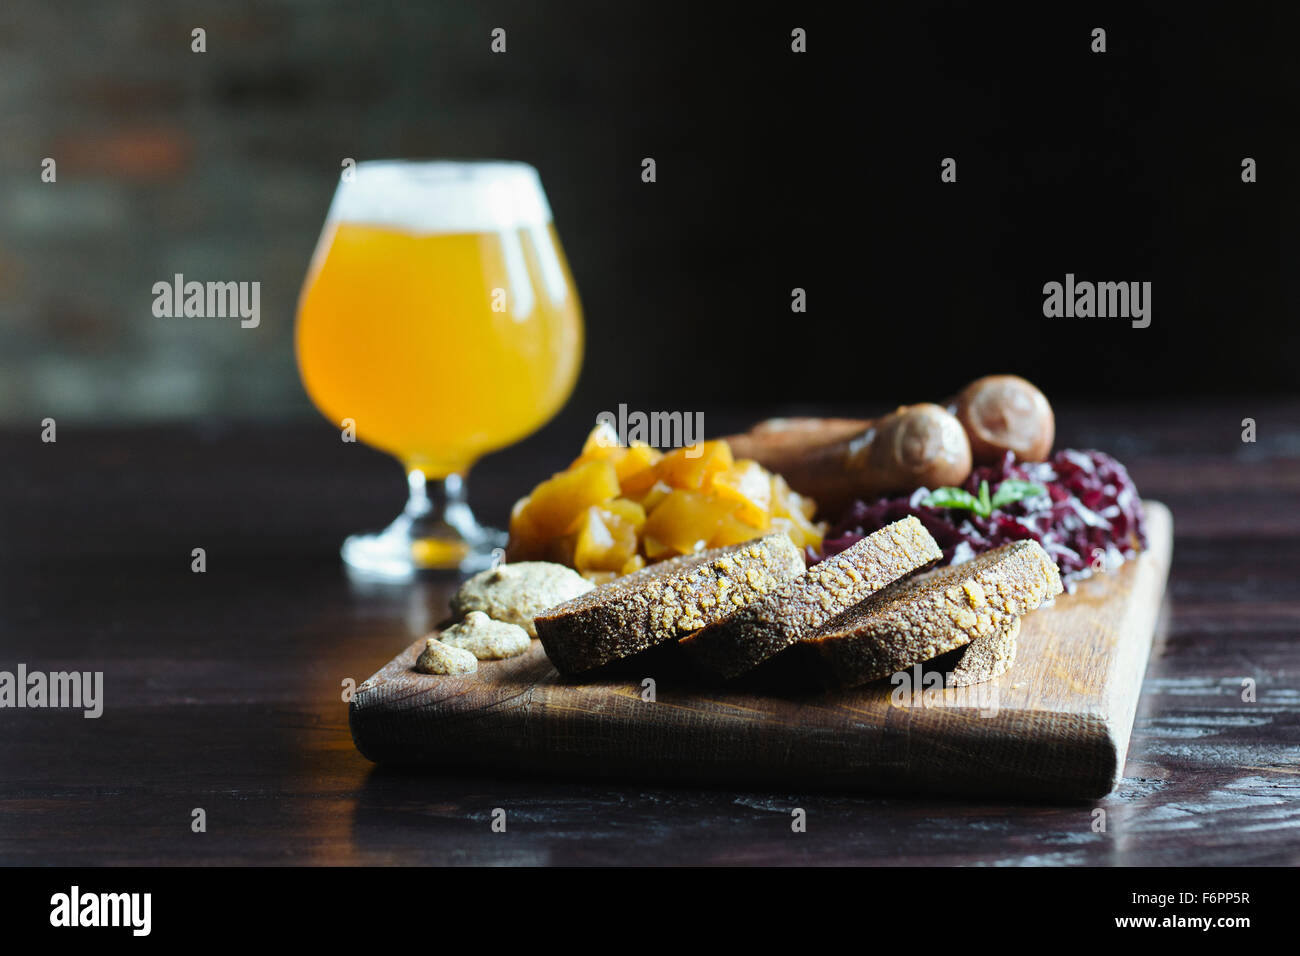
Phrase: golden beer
pixel 438 315
pixel 401 333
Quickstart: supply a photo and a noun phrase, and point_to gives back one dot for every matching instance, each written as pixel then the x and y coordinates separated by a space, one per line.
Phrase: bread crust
pixel 921 618
pixel 767 626
pixel 663 602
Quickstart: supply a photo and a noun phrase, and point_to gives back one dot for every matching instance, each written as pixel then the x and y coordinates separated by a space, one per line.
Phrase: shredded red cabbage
pixel 1090 517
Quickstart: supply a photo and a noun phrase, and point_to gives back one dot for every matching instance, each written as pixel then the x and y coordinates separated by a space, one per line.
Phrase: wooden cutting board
pixel 1055 725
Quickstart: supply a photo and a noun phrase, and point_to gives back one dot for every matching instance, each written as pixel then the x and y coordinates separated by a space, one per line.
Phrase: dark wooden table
pixel 223 690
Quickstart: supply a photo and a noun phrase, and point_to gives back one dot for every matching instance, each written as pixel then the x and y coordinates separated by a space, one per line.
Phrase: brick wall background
pixel 221 165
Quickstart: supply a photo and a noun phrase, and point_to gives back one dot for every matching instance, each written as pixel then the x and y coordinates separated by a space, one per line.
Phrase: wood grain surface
pixel 1055 725
pixel 224 690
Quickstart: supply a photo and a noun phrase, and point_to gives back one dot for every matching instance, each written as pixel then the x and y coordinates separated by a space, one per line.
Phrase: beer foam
pixel 442 196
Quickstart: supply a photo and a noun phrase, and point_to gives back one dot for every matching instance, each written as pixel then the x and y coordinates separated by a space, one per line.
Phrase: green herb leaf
pixel 1014 489
pixel 1010 491
pixel 952 498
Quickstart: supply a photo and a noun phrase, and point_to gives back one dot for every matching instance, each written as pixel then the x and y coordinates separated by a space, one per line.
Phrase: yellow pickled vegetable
pixel 617 509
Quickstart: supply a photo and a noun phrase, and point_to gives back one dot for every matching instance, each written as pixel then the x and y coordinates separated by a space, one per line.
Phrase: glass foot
pixel 432 534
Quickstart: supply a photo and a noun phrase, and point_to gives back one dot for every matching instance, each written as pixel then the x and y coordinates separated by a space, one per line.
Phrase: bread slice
pixel 986 657
pixel 663 602
pixel 920 618
pixel 769 625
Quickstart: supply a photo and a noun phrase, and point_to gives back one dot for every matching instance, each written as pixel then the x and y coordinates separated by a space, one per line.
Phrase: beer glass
pixel 438 322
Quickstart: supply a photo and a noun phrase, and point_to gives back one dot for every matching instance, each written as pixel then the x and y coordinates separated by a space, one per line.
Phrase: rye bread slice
pixel 663 602
pixel 986 657
pixel 921 618
pixel 765 627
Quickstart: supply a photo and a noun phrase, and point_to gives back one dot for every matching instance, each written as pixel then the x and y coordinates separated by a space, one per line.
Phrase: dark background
pixel 775 170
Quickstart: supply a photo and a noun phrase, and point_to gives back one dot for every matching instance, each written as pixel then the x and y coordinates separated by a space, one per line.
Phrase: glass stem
pixel 417 500
pixel 431 502
pixel 435 531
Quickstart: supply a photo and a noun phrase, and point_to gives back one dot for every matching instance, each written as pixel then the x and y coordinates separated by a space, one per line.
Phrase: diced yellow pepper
pixel 602 445
pixel 683 522
pixel 526 542
pixel 801 531
pixel 651 499
pixel 626 509
pixel 804 504
pixel 746 483
pixel 605 541
pixel 733 530
pixel 636 468
pixel 556 502
pixel 656 550
pixel 786 502
pixel 691 467
pixel 617 509
pixel 780 497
